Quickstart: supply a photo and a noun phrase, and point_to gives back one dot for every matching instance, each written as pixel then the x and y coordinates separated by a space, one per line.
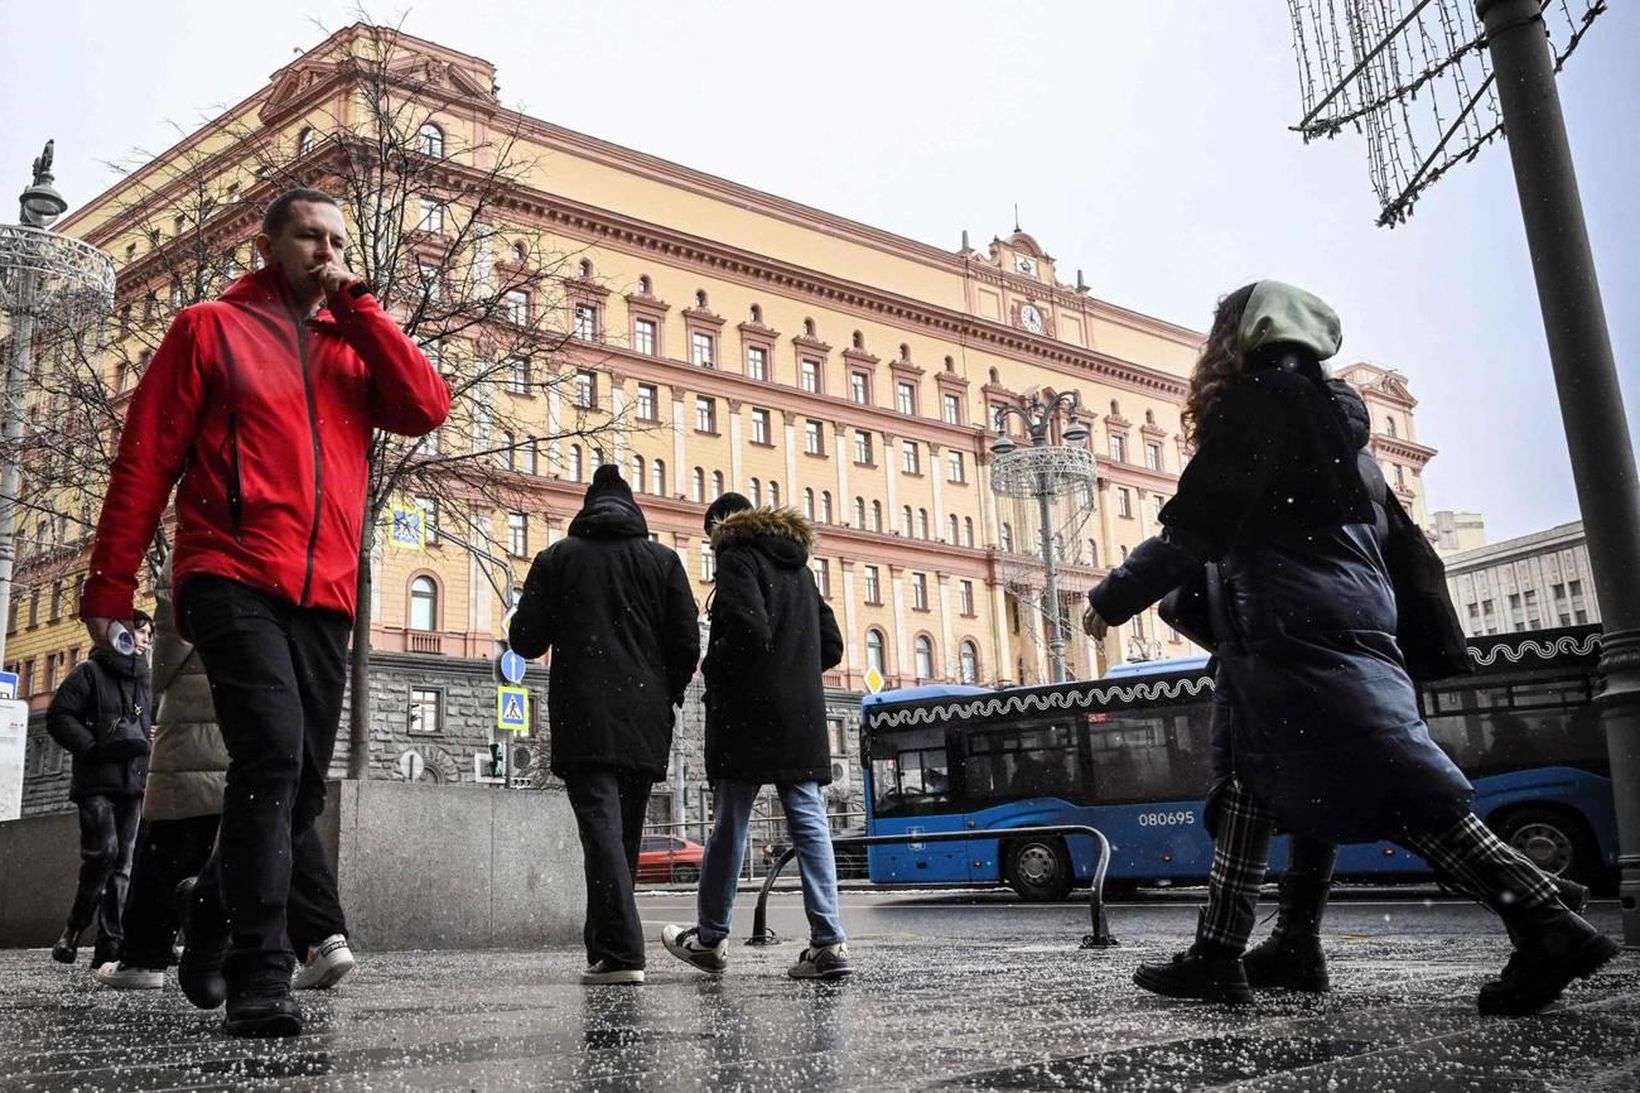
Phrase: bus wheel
pixel 1556 842
pixel 1039 869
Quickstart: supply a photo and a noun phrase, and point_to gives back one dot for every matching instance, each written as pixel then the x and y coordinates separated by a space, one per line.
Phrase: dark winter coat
pixel 772 636
pixel 1324 721
pixel 101 688
pixel 616 610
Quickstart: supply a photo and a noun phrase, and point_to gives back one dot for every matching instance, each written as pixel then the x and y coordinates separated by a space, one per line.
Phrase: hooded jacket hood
pixel 1352 411
pixel 609 511
pixel 783 534
pixel 1279 313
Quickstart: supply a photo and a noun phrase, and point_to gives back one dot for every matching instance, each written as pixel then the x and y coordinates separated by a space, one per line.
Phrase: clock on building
pixel 1030 318
pixel 1025 264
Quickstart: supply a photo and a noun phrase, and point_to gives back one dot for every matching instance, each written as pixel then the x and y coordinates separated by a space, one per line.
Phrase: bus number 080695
pixel 1166 819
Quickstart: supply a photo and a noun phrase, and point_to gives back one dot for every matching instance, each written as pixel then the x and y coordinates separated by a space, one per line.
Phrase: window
pixel 504 452
pixel 586 322
pixel 754 492
pixel 874 651
pixel 423 604
pixel 760 427
pixel 951 409
pixel 646 402
pixel 1400 477
pixel 905 398
pixel 965 597
pixel 717 484
pixel 1389 425
pixel 697 485
pixel 814 437
pixel 644 333
pixel 586 389
pixel 705 414
pixel 808 504
pixel 1533 618
pixel 305 141
pixel 1157 504
pixel 1118 447
pixel 708 562
pixel 426 711
pixel 968 531
pixel 639 477
pixel 1153 455
pixel 860 513
pixel 1006 539
pixel 874 589
pixel 808 375
pixel 432 215
pixel 910 461
pixel 774 494
pixel 700 350
pixel 518 534
pixel 757 363
pixel 968 663
pixel 922 523
pixel 955 538
pixel 876 516
pixel 822 576
pixel 526 456
pixel 919 591
pixel 825 507
pixel 956 467
pixel 431 283
pixel 925 657
pixel 429 519
pixel 859 388
pixel 657 478
pixel 577 465
pixel 905 521
pixel 1124 501
pixel 430 140
pixel 862 448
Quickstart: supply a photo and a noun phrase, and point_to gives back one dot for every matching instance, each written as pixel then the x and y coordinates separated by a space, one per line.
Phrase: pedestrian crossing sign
pixel 409 528
pixel 512 709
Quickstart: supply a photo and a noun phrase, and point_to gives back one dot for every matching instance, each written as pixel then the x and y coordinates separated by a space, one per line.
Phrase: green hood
pixel 1278 312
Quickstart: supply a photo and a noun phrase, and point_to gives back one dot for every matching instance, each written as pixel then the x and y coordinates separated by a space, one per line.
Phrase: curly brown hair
pixel 1221 361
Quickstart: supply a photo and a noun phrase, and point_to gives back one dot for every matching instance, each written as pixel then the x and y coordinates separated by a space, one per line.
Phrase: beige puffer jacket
pixel 188 768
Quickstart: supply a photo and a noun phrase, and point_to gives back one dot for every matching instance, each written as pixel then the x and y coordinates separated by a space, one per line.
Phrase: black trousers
pixel 108 834
pixel 609 812
pixel 277 672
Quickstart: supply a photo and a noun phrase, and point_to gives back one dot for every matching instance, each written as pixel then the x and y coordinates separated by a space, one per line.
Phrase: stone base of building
pixel 419 866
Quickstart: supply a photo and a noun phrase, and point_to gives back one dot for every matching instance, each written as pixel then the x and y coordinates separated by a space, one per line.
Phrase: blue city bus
pixel 1129 754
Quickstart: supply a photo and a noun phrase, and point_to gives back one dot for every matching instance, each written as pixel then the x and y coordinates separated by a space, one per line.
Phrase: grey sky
pixel 1144 143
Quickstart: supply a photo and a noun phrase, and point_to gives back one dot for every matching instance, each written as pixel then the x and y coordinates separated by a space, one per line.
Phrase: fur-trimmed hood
pixel 783 533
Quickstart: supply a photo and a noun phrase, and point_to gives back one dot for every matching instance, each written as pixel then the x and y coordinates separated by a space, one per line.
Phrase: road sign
pixel 8 684
pixel 411 764
pixel 511 666
pixel 874 680
pixel 13 747
pixel 409 530
pixel 512 709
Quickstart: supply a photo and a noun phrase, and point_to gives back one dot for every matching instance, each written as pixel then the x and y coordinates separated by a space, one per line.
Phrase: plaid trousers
pixel 1470 855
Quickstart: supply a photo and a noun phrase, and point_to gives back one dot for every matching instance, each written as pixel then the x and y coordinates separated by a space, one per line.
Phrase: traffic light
pixel 498 761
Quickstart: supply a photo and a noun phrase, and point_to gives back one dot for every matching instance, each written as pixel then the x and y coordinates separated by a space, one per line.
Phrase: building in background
pixel 702 335
pixel 1533 582
pixel 1457 531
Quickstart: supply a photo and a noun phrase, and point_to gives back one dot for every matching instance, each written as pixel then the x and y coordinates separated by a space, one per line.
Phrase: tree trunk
pixel 358 717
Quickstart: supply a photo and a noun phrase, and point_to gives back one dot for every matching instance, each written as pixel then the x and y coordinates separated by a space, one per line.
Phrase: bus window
pixel 1032 759
pixel 1160 755
pixel 909 772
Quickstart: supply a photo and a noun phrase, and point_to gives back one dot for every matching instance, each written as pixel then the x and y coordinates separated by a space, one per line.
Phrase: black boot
pixel 265 1009
pixel 67 947
pixel 1553 950
pixel 1291 957
pixel 199 972
pixel 1198 972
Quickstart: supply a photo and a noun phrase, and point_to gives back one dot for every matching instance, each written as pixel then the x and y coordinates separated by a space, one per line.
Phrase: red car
pixel 663 858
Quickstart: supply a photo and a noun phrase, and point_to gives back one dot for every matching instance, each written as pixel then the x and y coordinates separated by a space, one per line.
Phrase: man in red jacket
pixel 262 405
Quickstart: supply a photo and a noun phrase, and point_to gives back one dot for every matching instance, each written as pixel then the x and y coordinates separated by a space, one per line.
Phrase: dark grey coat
pixel 772 637
pixel 98 689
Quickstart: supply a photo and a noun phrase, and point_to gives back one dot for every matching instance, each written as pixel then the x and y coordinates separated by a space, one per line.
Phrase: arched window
pixel 954 537
pixel 697 485
pixel 967 531
pixel 808 503
pixel 968 663
pixel 305 141
pixel 504 452
pixel 905 520
pixel 757 313
pixel 585 268
pixel 754 492
pixel 430 140
pixel 925 656
pixel 1389 424
pixel 700 299
pixel 717 484
pixel 1093 552
pixel 874 651
pixel 526 457
pixel 922 523
pixel 423 604
pixel 645 286
pixel 876 516
pixel 657 477
pixel 638 471
pixel 577 464
pixel 860 513
pixel 774 495
pixel 825 506
pixel 1007 543
pixel 859 340
pixel 808 328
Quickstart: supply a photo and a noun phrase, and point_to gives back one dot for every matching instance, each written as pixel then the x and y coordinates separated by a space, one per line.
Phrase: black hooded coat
pixel 772 637
pixel 616 610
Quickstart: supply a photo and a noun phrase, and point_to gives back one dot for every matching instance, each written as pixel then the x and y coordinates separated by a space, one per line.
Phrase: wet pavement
pixel 950 993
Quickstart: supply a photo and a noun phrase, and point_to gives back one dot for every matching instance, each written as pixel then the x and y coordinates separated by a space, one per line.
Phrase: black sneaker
pixel 1544 963
pixel 822 962
pixel 266 1010
pixel 1194 974
pixel 1287 964
pixel 66 947
pixel 199 971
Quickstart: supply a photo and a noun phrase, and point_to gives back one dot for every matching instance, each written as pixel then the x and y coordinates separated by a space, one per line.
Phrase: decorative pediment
pixel 292 87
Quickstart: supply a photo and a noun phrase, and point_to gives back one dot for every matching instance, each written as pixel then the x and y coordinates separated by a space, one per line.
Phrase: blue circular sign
pixel 513 666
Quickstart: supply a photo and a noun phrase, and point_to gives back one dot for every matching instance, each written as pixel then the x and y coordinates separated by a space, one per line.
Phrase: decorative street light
pixel 46 280
pixel 1042 472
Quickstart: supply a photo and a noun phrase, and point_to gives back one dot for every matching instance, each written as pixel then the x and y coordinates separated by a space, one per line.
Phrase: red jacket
pixel 266 419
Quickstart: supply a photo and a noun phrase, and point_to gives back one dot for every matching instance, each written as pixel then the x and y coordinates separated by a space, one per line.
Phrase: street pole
pixel 1591 402
pixel 1050 583
pixel 22 349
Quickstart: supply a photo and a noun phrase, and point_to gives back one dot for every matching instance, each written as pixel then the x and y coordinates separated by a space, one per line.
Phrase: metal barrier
pixel 1099 939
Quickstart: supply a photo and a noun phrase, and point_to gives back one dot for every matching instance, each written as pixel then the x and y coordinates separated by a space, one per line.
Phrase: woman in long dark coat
pixel 1323 723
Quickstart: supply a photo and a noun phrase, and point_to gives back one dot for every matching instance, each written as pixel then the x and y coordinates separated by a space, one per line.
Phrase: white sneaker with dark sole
pixel 326 963
pixel 822 962
pixel 119 977
pixel 684 943
pixel 600 974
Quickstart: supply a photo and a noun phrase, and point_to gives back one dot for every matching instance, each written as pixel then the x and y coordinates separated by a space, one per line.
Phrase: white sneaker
pixel 599 974
pixel 684 943
pixel 822 962
pixel 326 963
pixel 119 977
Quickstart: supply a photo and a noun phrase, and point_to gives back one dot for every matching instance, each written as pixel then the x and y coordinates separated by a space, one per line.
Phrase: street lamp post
pixel 1042 479
pixel 44 277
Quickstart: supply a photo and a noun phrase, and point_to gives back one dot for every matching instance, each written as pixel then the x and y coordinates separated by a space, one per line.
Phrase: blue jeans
pixel 811 834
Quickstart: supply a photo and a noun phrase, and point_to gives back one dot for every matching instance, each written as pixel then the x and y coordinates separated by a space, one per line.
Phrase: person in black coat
pixel 101 715
pixel 1325 737
pixel 772 637
pixel 616 610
